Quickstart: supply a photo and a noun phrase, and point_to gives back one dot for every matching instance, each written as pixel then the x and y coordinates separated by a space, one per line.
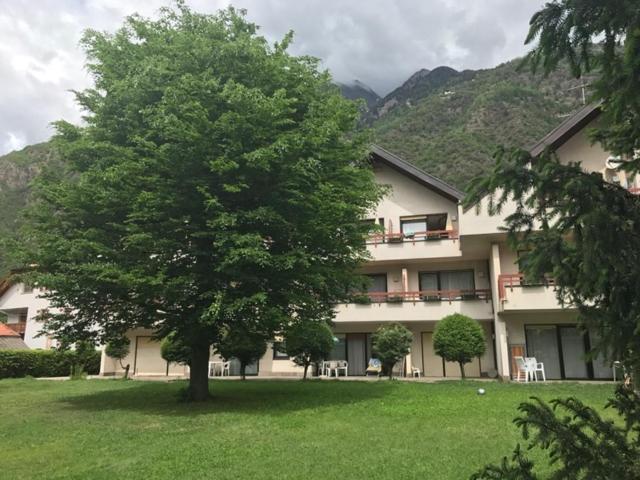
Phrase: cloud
pixel 380 42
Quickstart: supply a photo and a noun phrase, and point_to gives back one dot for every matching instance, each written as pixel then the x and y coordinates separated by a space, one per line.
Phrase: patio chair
pixel 535 368
pixel 212 369
pixel 524 369
pixel 226 369
pixel 342 365
pixel 374 367
pixel 415 372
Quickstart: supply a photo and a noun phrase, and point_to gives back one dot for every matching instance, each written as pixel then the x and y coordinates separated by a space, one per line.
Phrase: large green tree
pixel 216 177
pixel 573 224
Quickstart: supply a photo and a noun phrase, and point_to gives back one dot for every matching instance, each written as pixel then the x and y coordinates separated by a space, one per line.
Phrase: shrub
pixel 459 338
pixel 391 343
pixel 174 350
pixel 309 342
pixel 245 346
pixel 45 363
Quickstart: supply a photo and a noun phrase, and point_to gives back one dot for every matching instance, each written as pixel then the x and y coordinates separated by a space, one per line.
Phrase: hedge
pixel 42 363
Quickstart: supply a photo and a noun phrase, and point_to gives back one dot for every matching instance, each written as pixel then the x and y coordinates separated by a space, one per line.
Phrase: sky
pixel 379 42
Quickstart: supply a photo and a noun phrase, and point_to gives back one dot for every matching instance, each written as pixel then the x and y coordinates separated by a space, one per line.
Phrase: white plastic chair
pixel 524 369
pixel 342 365
pixel 212 369
pixel 535 368
pixel 415 372
pixel 226 369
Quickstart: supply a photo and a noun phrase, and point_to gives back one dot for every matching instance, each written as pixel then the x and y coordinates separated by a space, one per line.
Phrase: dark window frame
pixel 438 272
pixel 425 217
pixel 278 354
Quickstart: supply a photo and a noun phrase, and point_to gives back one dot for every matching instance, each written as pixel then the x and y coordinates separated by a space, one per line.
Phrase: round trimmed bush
pixel 460 339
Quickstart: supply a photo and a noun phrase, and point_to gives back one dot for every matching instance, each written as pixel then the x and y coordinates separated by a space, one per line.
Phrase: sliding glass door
pixel 562 349
pixel 573 352
pixel 542 343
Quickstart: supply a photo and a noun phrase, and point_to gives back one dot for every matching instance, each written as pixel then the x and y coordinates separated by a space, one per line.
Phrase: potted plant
pixel 395 299
pixel 361 299
pixel 395 238
pixel 433 235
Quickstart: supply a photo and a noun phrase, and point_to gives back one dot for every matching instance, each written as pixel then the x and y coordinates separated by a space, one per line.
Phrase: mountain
pixel 449 123
pixel 358 90
pixel 17 170
pixel 442 120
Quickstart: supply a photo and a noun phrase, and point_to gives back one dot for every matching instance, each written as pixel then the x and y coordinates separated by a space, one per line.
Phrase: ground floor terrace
pixel 553 338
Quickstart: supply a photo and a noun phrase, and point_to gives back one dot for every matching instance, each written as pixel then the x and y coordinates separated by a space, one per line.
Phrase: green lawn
pixel 262 429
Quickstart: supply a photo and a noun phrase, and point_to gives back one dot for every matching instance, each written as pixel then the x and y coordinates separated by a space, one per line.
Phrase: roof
pixel 567 129
pixel 12 343
pixel 413 172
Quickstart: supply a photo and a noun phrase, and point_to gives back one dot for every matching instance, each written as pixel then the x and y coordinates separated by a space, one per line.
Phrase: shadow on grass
pixel 251 397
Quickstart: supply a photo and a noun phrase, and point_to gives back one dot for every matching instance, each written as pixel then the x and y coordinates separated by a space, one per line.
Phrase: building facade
pixel 430 259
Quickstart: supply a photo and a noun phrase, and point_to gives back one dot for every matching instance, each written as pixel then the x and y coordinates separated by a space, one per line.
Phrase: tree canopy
pixel 309 342
pixel 460 339
pixel 217 178
pixel 391 343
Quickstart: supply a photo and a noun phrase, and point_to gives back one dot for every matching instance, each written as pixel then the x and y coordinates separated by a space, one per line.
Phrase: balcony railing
pixel 423 296
pixel 511 280
pixel 634 190
pixel 398 237
pixel 19 327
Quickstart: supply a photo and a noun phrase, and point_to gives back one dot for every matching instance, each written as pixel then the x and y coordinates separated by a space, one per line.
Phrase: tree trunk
pixel 462 370
pixel 243 368
pixel 198 390
pixel 390 371
pixel 306 366
pixel 126 369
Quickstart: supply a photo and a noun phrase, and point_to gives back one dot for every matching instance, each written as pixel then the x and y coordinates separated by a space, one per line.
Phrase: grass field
pixel 108 429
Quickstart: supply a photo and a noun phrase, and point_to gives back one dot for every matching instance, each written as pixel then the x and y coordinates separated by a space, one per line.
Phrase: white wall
pixel 16 300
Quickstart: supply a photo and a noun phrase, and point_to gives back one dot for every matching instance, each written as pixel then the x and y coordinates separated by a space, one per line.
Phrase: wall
pixel 16 300
pixel 407 197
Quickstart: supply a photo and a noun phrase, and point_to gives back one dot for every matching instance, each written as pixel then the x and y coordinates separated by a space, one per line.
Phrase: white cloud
pixel 380 42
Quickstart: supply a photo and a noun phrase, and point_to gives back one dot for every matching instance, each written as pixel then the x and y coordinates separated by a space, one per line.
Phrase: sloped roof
pixel 567 129
pixel 413 172
pixel 10 340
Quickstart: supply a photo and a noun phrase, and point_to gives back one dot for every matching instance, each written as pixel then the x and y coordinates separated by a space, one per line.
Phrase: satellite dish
pixel 613 162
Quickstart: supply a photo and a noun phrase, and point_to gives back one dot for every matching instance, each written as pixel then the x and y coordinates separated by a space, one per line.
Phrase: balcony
pixel 427 305
pixel 399 246
pixel 19 327
pixel 517 294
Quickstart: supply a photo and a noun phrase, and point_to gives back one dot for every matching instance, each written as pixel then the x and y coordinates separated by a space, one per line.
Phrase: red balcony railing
pixel 423 296
pixel 510 280
pixel 398 237
pixel 19 327
pixel 634 190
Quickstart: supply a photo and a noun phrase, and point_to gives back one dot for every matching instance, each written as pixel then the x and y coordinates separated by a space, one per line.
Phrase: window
pixel 461 282
pixel 279 352
pixel 411 227
pixel 424 223
pixel 339 351
pixel 378 283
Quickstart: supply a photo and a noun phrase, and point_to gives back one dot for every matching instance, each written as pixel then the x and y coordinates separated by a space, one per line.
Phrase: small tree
pixel 308 343
pixel 390 344
pixel 118 348
pixel 459 338
pixel 84 350
pixel 242 344
pixel 174 350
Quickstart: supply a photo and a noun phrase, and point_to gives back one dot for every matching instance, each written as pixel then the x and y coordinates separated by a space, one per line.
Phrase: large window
pixel 423 223
pixel 279 351
pixel 456 284
pixel 377 283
